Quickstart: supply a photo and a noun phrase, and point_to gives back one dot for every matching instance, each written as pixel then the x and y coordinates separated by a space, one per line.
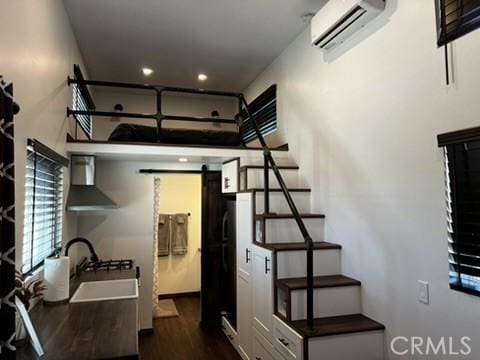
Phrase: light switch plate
pixel 423 292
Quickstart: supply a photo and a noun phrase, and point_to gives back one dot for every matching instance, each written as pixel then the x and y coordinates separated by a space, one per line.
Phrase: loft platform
pixel 167 152
pixel 239 133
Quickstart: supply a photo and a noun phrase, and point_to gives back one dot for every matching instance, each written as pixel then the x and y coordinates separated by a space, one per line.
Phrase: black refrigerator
pixel 229 273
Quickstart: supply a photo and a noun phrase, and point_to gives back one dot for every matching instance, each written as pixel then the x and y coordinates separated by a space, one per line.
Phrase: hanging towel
pixel 179 234
pixel 163 235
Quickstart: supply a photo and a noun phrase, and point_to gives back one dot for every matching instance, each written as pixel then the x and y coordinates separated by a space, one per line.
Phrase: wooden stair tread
pixel 319 282
pixel 295 246
pixel 281 167
pixel 287 216
pixel 336 325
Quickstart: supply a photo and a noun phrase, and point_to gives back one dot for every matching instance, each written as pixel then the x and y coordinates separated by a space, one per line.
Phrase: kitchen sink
pixel 106 290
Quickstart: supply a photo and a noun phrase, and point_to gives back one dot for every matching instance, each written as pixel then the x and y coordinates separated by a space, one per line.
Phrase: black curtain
pixel 7 223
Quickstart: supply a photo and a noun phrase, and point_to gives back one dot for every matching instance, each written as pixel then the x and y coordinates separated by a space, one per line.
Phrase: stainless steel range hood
pixel 83 194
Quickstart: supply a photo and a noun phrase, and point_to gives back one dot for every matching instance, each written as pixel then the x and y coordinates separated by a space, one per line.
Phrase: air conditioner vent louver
pixel 328 40
pixel 338 20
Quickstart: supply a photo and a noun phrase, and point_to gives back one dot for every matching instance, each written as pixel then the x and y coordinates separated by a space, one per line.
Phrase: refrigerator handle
pixel 224 240
pixel 224 256
pixel 225 227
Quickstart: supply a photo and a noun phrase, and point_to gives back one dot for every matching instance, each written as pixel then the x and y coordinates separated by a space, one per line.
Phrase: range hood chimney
pixel 83 194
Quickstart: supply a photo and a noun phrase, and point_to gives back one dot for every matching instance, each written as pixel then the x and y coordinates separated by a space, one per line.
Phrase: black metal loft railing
pixel 269 161
pixel 159 90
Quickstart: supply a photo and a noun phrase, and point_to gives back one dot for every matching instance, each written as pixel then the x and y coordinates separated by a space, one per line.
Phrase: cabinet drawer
pixel 263 349
pixel 230 332
pixel 286 341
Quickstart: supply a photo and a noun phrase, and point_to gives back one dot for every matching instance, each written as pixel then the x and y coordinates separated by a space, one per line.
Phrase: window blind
pixel 43 208
pixel 462 170
pixel 80 103
pixel 456 18
pixel 264 111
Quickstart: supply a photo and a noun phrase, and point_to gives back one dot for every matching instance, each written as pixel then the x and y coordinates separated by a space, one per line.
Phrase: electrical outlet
pixel 423 293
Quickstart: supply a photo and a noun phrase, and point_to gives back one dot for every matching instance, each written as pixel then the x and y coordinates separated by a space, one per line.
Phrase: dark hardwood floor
pixel 180 338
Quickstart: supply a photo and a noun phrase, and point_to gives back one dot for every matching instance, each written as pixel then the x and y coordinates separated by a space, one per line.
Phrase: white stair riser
pixel 279 205
pixel 286 230
pixel 282 158
pixel 292 264
pixel 255 179
pixel 356 346
pixel 334 301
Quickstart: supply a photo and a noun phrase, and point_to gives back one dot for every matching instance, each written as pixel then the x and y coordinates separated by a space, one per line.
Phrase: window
pixel 82 101
pixel 456 18
pixel 43 204
pixel 462 174
pixel 264 110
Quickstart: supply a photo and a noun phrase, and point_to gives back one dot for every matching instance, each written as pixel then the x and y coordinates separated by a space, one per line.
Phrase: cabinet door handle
pixel 283 341
pixel 226 182
pixel 267 260
pixel 247 255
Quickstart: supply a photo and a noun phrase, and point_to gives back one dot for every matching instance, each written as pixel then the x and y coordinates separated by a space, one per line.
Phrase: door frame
pixel 207 321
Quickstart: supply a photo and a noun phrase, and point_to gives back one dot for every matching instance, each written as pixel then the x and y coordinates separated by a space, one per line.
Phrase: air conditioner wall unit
pixel 340 19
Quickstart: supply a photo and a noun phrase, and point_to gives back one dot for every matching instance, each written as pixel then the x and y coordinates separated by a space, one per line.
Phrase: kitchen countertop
pixel 90 330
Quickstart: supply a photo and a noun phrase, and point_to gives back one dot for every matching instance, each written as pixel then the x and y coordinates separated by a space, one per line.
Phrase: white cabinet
pixel 244 319
pixel 244 233
pixel 244 263
pixel 230 176
pixel 262 291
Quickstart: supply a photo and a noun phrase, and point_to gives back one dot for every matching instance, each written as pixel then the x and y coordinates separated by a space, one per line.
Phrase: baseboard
pixel 128 357
pixel 177 295
pixel 145 332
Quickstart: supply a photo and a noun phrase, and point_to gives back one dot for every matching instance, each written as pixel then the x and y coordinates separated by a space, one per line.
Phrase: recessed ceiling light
pixel 202 77
pixel 147 71
pixel 183 159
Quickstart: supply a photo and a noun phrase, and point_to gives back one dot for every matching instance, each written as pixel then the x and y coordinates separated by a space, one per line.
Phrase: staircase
pixel 293 302
pixel 339 330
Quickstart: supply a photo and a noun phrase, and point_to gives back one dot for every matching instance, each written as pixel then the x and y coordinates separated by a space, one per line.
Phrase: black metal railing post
pixel 159 115
pixel 310 305
pixel 293 208
pixel 266 185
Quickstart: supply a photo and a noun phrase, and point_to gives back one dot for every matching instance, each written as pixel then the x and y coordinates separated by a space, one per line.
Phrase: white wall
pixel 180 193
pixel 172 104
pixel 38 50
pixel 362 125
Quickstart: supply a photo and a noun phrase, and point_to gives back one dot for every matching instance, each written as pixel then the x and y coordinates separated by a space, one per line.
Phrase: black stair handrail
pixel 269 161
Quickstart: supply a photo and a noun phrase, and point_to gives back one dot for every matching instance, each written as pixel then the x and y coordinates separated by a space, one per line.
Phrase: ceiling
pixel 231 41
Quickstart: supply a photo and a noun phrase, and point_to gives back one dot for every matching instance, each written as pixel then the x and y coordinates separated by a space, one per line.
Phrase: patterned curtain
pixel 156 213
pixel 7 223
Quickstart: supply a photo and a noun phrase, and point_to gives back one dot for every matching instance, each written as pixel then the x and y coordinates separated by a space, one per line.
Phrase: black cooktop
pixel 123 264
